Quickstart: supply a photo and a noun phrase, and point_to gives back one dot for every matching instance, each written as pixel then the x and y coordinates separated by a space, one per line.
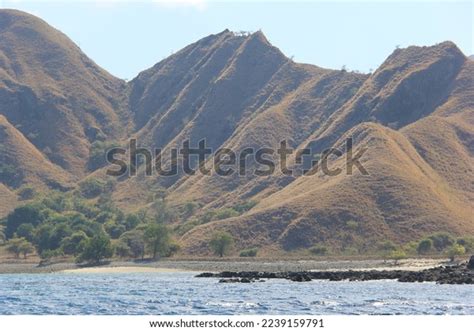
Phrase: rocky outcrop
pixel 460 274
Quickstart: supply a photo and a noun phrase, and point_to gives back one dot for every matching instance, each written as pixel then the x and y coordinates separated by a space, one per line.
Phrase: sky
pixel 127 37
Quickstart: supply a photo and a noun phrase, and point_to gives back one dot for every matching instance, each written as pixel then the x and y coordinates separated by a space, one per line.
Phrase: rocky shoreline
pixel 459 274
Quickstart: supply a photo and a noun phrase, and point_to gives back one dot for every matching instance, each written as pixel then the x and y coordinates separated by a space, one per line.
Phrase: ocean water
pixel 182 293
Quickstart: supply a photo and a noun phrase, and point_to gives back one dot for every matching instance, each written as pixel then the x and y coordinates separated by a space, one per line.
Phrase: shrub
pixel 207 217
pixel 9 174
pixel 387 246
pixel 441 240
pixel 398 255
pixel 104 217
pixel 173 248
pixel 97 153
pixel 352 225
pixel 318 250
pixel 190 209
pixel 250 252
pixel 243 207
pixel 467 243
pixel 455 251
pixel 424 246
pixel 131 221
pixel 26 192
pixel 221 243
pixel 91 187
pixel 47 255
pixel 226 213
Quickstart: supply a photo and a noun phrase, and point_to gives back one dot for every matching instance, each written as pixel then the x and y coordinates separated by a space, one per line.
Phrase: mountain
pixel 412 119
pixel 23 164
pixel 401 198
pixel 54 94
pixel 415 115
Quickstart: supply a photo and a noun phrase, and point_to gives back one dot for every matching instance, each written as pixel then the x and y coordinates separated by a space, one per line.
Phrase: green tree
pixel 26 248
pixel 163 213
pixel 91 187
pixel 17 246
pixel 57 234
pixel 73 244
pixel 113 229
pixel 456 250
pixel 122 249
pixel 221 243
pixel 157 239
pixel 424 246
pixel 25 214
pixel 441 240
pixel 131 221
pixel 135 241
pixel 27 231
pixel 96 249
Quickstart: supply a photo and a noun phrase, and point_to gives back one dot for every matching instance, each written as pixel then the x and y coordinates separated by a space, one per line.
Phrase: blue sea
pixel 182 293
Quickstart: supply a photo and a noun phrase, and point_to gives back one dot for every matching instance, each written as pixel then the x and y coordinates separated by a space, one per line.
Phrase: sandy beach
pixel 223 265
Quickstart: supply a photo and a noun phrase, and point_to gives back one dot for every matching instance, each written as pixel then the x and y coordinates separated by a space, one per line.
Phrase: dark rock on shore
pixel 460 274
pixel 237 280
pixel 470 264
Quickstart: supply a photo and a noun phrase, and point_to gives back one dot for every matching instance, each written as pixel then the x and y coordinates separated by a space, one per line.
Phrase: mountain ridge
pixel 414 115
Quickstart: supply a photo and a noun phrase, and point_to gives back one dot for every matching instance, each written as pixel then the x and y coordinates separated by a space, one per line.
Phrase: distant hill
pixel 54 94
pixel 414 115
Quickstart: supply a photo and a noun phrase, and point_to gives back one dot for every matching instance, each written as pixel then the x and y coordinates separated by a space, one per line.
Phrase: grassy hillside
pixel 414 116
pixel 401 199
pixel 54 94
pixel 22 164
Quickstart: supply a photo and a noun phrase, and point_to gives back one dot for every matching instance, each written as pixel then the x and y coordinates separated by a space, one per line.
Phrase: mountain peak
pixel 420 54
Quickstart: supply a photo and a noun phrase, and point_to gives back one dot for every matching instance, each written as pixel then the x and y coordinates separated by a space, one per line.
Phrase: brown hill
pixel 430 87
pixel 414 188
pixel 8 200
pixel 56 96
pixel 22 164
pixel 401 199
pixel 414 115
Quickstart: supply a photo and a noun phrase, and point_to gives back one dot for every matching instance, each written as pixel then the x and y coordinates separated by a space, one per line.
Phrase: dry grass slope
pixel 414 114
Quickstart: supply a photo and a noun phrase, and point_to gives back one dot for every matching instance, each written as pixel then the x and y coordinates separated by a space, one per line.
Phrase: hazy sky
pixel 126 38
